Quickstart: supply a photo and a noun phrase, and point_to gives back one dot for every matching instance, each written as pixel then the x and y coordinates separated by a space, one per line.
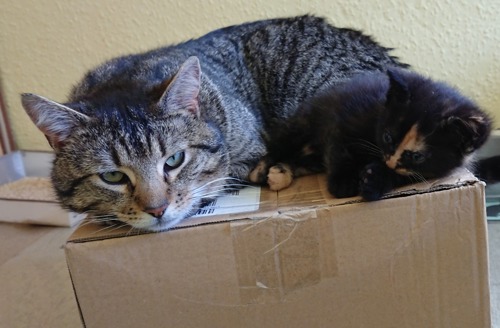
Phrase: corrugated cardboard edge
pixel 460 178
pixel 80 313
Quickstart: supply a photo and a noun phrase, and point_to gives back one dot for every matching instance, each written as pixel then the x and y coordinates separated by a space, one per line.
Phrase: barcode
pixel 233 201
pixel 207 209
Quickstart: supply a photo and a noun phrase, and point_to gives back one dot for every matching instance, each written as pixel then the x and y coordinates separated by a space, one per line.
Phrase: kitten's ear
pixel 398 89
pixel 472 131
pixel 55 120
pixel 182 92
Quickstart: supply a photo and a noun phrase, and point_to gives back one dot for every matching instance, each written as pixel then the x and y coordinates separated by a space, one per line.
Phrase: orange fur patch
pixel 411 142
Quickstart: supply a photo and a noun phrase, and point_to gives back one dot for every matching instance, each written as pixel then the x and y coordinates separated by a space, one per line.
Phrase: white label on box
pixel 236 201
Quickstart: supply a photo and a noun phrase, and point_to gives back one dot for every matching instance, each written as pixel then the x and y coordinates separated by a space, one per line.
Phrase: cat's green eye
pixel 174 161
pixel 114 177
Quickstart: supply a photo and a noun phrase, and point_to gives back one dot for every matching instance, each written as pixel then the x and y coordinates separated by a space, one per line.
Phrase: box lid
pixel 305 193
pixel 308 260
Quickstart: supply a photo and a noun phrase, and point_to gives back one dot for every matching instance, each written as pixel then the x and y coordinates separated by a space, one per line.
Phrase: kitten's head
pixel 427 128
pixel 123 155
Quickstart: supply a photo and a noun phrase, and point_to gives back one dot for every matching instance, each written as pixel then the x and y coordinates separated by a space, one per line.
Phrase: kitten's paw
pixel 343 187
pixel 259 173
pixel 279 177
pixel 374 182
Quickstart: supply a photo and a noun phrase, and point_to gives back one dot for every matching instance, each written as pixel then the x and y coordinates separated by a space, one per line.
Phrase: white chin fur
pixel 149 223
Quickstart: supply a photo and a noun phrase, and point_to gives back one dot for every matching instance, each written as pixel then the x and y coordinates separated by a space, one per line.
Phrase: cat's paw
pixel 259 173
pixel 375 181
pixel 279 177
pixel 343 186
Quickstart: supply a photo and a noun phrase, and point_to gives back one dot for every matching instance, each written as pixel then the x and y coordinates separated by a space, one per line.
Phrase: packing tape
pixel 282 254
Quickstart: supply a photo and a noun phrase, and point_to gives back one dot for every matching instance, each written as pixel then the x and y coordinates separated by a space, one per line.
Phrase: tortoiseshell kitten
pixel 376 132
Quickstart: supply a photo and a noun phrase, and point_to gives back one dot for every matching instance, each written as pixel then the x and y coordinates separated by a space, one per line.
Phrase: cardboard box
pixel 26 195
pixel 304 259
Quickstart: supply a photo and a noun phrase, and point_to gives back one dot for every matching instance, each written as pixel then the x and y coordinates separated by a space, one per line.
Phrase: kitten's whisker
pixel 422 178
pixel 370 147
pixel 418 178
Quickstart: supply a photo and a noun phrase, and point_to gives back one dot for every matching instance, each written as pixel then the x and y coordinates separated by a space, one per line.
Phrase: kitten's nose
pixel 158 211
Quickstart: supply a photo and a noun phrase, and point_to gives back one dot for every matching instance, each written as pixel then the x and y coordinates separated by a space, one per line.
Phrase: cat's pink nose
pixel 158 211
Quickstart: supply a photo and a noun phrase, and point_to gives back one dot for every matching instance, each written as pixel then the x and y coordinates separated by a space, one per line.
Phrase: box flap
pixel 390 263
pixel 309 192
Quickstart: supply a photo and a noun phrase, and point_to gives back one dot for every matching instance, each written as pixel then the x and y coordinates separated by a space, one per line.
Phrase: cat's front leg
pixel 280 176
pixel 258 175
pixel 376 179
pixel 277 176
pixel 343 171
pixel 343 185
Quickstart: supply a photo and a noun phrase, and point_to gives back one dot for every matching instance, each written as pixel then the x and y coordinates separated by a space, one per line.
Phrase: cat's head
pixel 428 128
pixel 122 155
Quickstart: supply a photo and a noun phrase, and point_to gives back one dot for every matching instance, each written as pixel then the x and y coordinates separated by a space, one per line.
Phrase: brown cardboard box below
pixel 304 259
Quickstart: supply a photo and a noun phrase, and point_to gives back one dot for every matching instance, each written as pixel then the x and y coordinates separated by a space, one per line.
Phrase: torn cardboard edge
pixel 305 193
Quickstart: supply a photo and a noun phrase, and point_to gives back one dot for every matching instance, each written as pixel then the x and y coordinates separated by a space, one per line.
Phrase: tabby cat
pixel 375 132
pixel 147 139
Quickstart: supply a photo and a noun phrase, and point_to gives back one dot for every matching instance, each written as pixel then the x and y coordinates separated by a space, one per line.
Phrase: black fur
pixel 351 131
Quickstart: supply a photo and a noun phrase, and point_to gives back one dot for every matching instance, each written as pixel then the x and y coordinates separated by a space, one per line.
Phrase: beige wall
pixel 46 46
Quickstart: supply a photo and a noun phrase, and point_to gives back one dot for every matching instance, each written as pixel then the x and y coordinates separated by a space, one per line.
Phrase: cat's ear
pixel 471 131
pixel 55 120
pixel 182 91
pixel 398 88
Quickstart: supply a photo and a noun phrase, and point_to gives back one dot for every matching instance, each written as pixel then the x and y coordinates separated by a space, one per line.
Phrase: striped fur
pixel 209 102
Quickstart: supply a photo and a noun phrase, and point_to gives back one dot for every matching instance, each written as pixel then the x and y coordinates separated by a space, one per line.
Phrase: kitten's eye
pixel 114 177
pixel 174 161
pixel 417 158
pixel 387 138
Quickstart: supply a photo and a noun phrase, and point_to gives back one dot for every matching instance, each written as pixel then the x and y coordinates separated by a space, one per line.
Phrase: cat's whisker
pixel 101 220
pixel 235 186
pixel 105 228
pixel 118 226
pixel 417 177
pixel 214 181
pixel 205 195
pixel 215 190
pixel 220 191
pixel 103 216
pixel 135 231
pixel 113 227
pixel 370 147
pixel 422 178
pixel 86 222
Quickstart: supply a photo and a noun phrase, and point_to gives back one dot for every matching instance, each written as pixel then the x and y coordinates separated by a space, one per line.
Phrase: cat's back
pixel 291 57
pixel 217 51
